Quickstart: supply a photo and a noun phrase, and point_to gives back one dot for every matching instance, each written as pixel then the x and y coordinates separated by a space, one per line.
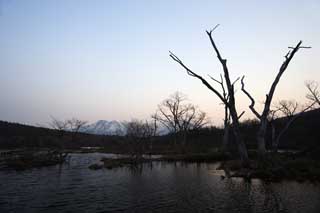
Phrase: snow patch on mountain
pixel 103 127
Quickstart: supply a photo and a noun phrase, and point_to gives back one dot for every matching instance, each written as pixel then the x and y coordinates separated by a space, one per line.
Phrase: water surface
pixel 156 187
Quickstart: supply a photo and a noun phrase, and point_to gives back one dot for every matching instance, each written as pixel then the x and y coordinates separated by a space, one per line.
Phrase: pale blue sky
pixel 109 59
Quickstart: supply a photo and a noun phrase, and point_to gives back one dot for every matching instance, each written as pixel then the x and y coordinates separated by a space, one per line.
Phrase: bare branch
pixel 75 124
pixel 214 28
pixel 251 106
pixel 286 56
pixel 224 93
pixel 219 82
pixel 214 46
pixel 314 93
pixel 235 81
pixel 242 113
pixel 282 69
pixel 301 47
pixel 58 124
pixel 193 74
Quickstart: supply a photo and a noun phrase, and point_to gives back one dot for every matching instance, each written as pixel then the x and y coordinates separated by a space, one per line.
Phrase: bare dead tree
pixel 134 134
pixel 290 112
pixel 230 103
pixel 313 91
pixel 75 125
pixel 139 129
pixel 153 125
pixel 180 117
pixel 59 125
pixel 169 111
pixel 138 134
pixel 263 117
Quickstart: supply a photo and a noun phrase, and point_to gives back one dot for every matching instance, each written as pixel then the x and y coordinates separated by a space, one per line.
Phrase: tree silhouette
pixel 263 117
pixel 229 103
pixel 180 117
pixel 314 93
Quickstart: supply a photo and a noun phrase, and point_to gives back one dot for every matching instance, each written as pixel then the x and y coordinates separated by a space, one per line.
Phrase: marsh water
pixel 156 187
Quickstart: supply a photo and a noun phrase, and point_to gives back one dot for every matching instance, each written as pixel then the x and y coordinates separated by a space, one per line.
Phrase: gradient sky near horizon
pixel 109 59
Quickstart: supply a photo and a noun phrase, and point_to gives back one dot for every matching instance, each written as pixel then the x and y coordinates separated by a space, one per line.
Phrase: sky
pixel 109 59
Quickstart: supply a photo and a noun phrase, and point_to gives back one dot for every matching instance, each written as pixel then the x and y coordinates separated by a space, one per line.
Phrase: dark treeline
pixel 302 134
pixel 14 135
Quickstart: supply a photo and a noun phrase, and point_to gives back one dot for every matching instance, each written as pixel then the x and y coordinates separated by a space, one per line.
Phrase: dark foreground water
pixel 159 187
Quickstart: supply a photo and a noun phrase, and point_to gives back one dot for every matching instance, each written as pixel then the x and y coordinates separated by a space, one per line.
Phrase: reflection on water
pixel 156 187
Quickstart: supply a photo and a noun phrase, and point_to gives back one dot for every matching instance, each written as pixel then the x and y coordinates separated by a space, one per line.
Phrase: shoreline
pixel 279 167
pixel 298 166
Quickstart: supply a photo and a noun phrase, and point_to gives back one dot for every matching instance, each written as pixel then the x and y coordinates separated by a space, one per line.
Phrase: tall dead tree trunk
pixel 226 121
pixel 226 130
pixel 242 149
pixel 263 117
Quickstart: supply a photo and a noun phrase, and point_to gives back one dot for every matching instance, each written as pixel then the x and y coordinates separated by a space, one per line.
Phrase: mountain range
pixel 103 127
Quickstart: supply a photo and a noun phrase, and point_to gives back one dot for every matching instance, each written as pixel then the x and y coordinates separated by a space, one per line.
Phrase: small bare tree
pixel 263 117
pixel 169 111
pixel 314 93
pixel 229 103
pixel 138 133
pixel 180 117
pixel 75 125
pixel 70 125
pixel 59 125
pixel 153 129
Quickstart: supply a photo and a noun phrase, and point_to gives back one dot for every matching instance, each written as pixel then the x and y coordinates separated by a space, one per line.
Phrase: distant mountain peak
pixel 103 127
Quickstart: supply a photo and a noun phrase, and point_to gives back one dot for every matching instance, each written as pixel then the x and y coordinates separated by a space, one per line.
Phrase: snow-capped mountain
pixel 103 127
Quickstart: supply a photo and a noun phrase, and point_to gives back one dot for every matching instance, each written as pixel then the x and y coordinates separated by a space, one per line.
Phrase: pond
pixel 156 187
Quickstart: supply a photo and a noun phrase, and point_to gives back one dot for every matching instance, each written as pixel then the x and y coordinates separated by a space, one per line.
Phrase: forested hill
pixel 8 129
pixel 14 135
pixel 304 132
